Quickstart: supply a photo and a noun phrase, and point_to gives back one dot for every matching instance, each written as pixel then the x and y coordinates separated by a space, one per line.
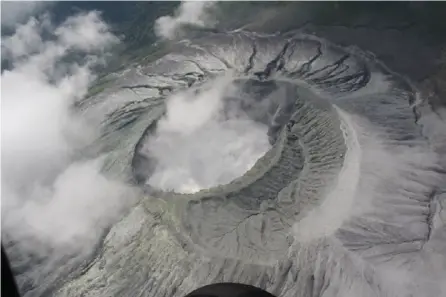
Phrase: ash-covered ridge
pixel 348 202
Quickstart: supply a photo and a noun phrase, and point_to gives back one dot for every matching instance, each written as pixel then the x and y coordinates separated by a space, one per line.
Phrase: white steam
pixel 48 198
pixel 196 147
pixel 188 13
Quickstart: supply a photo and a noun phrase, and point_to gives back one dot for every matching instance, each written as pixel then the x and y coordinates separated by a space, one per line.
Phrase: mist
pixel 201 142
pixel 54 203
pixel 194 13
pixel 15 12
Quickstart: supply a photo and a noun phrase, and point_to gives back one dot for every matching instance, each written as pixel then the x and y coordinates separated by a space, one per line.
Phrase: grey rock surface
pixel 340 206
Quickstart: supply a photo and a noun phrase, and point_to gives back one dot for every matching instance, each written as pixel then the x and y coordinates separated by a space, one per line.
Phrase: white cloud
pixel 37 126
pixel 86 32
pixel 188 13
pixel 16 12
pixel 47 200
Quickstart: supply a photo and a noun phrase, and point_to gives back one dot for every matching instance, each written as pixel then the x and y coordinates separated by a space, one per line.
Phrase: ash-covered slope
pixel 348 201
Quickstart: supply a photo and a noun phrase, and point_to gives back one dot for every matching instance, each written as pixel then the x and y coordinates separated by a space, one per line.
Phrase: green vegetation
pixel 99 86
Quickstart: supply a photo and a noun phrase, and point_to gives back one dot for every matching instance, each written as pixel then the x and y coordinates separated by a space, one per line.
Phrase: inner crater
pixel 212 134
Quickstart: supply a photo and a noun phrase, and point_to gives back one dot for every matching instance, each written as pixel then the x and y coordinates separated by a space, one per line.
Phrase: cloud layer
pixel 50 199
pixel 14 12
